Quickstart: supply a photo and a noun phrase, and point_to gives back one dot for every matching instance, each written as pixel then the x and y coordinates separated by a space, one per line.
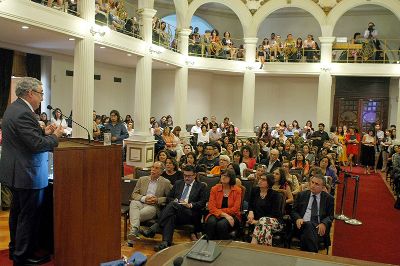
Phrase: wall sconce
pixel 188 62
pixel 100 30
pixel 326 68
pixel 155 50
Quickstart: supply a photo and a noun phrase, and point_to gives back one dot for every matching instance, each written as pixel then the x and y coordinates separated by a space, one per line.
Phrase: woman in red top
pixel 352 141
pixel 224 207
pixel 300 162
pixel 248 158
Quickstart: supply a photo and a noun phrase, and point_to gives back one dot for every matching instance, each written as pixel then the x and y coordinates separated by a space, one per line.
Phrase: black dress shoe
pixel 148 233
pixel 161 246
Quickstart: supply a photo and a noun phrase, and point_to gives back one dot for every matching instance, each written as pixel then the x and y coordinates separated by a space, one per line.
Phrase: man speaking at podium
pixel 24 167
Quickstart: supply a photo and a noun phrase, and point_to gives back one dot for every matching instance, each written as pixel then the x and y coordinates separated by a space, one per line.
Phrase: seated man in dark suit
pixel 186 200
pixel 313 214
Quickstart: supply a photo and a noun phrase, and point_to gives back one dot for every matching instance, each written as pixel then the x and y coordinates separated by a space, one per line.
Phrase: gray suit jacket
pixel 24 152
pixel 163 188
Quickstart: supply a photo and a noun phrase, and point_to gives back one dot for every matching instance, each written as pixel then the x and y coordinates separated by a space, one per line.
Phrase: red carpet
pixel 4 261
pixel 377 239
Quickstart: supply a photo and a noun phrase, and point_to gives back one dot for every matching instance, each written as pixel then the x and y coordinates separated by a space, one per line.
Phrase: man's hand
pixel 58 131
pixel 50 129
pixel 114 138
pixel 151 200
pixel 321 229
pixel 299 223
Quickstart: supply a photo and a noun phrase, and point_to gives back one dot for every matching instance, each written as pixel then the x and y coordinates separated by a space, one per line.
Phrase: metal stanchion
pixel 341 216
pixel 353 220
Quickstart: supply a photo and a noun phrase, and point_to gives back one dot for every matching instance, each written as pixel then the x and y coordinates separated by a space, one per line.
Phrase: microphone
pixel 51 108
pixel 179 260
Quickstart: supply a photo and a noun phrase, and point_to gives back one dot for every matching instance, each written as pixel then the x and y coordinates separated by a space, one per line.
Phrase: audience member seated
pixel 273 162
pixel 149 195
pixel 58 120
pixel 169 139
pixel 328 172
pixel 265 211
pixel 309 47
pixel 291 179
pixel 261 170
pixel 248 158
pixel 203 136
pixel 240 53
pixel 44 119
pixel 224 207
pixel 227 46
pixel 312 214
pixel 209 160
pixel 215 45
pixel 214 133
pixel 281 185
pixel 172 172
pixel 224 161
pixel 160 144
pixel 162 156
pixel 186 200
pixel 300 163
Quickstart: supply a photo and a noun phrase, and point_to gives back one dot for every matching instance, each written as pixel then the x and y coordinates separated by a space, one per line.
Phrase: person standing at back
pixel 24 168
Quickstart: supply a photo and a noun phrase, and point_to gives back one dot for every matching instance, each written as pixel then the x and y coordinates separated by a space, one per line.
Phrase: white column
pixel 181 86
pixel 140 150
pixel 325 92
pixel 249 89
pixel 142 107
pixel 146 15
pixel 83 81
pixel 184 41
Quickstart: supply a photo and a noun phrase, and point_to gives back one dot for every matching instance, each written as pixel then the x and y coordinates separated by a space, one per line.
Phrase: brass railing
pixel 165 35
pixel 383 51
pixel 203 46
pixel 122 19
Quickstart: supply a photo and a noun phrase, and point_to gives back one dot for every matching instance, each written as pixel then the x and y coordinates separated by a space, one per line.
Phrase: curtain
pixel 33 66
pixel 6 59
pixel 33 70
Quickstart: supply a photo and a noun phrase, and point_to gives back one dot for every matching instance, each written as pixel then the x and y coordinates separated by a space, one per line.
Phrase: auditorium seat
pixel 127 186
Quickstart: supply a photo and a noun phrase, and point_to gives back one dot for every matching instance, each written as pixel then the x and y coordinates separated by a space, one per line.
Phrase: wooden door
pixel 360 113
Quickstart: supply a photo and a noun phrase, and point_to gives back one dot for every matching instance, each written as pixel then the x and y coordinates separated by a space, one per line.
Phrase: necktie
pixel 314 210
pixel 185 192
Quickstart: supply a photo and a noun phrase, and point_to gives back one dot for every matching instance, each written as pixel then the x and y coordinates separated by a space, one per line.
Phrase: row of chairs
pixel 284 238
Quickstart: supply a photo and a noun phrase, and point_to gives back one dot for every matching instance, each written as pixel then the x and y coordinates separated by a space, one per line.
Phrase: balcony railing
pixel 165 35
pixel 119 18
pixel 68 6
pixel 384 51
pixel 203 46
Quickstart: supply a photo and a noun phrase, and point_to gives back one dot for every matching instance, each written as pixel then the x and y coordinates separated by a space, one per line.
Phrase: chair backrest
pixel 243 188
pixel 139 172
pixel 283 203
pixel 298 172
pixel 127 186
pixel 248 184
pixel 209 181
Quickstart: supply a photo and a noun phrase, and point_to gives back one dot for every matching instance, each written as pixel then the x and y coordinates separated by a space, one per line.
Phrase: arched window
pixel 196 22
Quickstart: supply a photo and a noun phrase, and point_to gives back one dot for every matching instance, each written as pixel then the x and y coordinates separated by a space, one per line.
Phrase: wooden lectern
pixel 87 225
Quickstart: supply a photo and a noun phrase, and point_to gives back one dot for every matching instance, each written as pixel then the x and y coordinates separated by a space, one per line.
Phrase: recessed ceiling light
pixel 102 47
pixel 129 54
pixel 25 27
pixel 71 39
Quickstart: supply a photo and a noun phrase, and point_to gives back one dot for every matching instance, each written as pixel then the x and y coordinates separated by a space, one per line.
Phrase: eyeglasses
pixel 41 93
